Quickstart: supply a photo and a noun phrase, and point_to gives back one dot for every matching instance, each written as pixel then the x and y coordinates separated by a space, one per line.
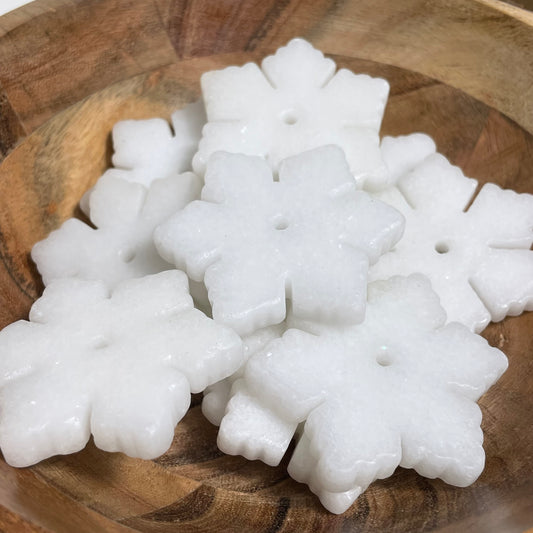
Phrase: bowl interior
pixel 193 485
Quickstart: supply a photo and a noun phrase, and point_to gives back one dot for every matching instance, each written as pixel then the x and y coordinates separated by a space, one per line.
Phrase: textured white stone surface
pixel 120 366
pixel 293 103
pixel 146 150
pixel 477 256
pixel 399 389
pixel 255 241
pixel 121 247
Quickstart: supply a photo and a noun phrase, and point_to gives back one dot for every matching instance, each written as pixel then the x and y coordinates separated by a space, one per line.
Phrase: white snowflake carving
pixel 478 258
pixel 309 237
pixel 119 366
pixel 150 149
pixel 295 102
pixel 400 389
pixel 121 247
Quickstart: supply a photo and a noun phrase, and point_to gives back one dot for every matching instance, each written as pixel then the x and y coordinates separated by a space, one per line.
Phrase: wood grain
pixel 60 108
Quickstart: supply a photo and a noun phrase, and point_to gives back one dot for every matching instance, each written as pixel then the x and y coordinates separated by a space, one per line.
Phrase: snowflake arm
pixel 314 69
pixel 166 196
pixel 367 97
pixel 228 178
pixel 458 297
pixel 136 412
pixel 448 446
pixel 170 295
pixel 513 227
pixel 186 241
pixel 364 157
pixel 252 430
pixel 302 468
pixel 259 305
pixel 120 366
pixel 378 229
pixel 234 93
pixel 239 138
pixel 62 253
pixel 148 149
pixel 436 184
pixel 349 448
pixel 207 354
pixel 272 373
pixel 116 201
pixel 338 298
pixel 508 295
pixel 36 423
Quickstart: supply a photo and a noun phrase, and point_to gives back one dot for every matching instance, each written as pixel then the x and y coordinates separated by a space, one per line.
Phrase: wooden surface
pixel 461 71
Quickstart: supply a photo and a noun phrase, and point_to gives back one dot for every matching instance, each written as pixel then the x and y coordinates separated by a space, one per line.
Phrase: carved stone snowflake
pixel 119 366
pixel 309 237
pixel 294 103
pixel 121 247
pixel 478 258
pixel 400 389
pixel 146 150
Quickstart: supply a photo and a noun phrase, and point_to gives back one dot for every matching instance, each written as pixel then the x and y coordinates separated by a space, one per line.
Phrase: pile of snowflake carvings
pixel 347 278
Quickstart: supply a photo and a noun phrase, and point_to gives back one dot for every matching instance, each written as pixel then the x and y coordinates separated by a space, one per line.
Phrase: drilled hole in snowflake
pixel 281 224
pixel 289 117
pixel 100 343
pixel 442 248
pixel 384 358
pixel 127 255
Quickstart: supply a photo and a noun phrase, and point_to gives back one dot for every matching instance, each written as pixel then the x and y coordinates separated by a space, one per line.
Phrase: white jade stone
pixel 309 237
pixel 253 429
pixel 400 389
pixel 149 149
pixel 217 396
pixel 145 150
pixel 294 103
pixel 119 366
pixel 121 247
pixel 401 155
pixel 479 260
pixel 303 468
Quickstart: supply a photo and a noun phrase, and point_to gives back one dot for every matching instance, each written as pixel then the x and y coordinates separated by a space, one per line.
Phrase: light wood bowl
pixel 461 71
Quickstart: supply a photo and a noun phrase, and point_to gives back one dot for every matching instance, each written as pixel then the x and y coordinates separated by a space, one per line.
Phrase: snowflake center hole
pixel 281 224
pixel 101 343
pixel 442 248
pixel 384 358
pixel 290 117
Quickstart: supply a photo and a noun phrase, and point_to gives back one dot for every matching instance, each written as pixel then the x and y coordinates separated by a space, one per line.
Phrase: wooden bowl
pixel 460 70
